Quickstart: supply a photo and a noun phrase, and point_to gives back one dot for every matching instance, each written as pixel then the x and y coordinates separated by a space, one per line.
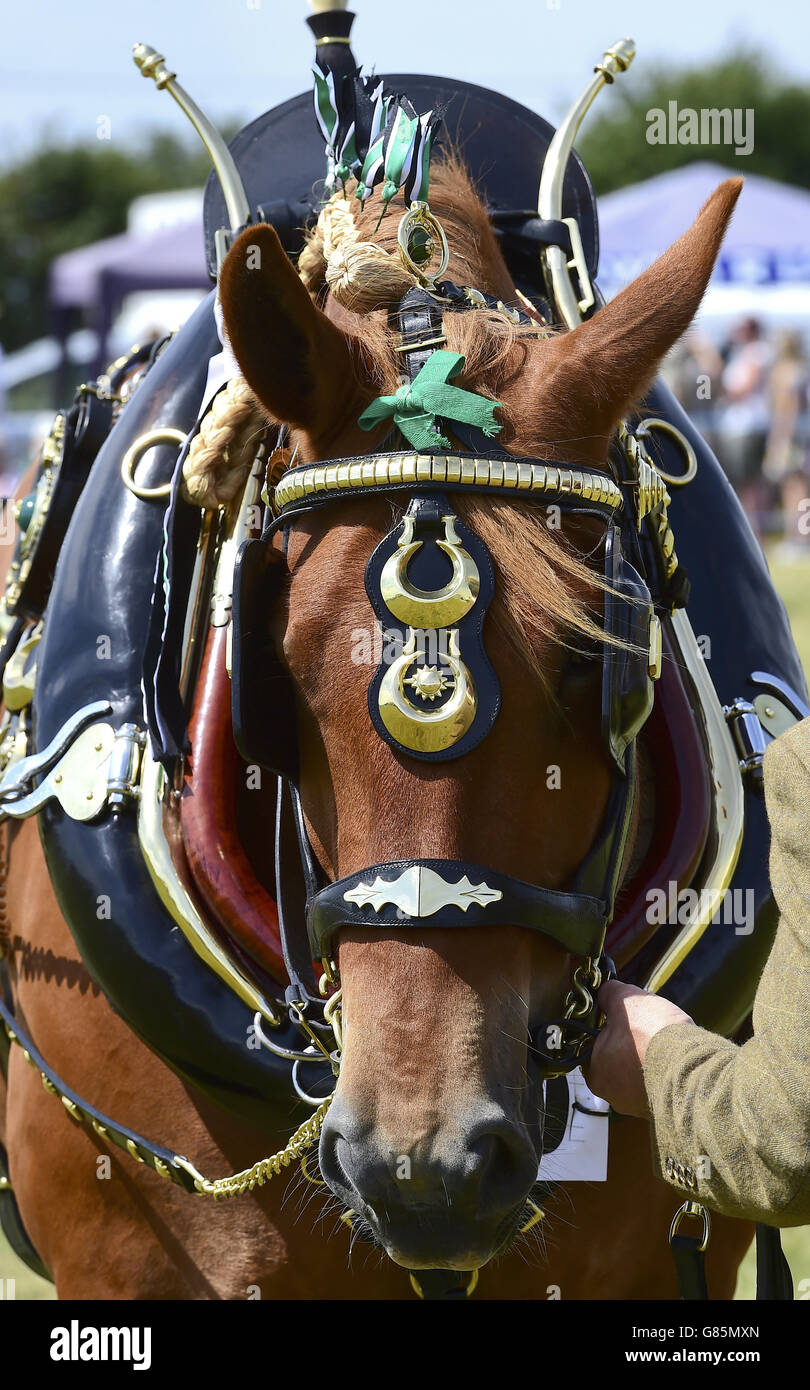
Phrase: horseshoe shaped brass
pixel 441 607
pixel 426 731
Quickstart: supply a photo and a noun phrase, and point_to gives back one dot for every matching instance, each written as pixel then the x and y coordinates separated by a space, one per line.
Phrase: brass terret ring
pixel 699 1212
pixel 133 456
pixel 653 423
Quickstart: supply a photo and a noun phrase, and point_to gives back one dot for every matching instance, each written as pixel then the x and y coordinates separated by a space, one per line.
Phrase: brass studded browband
pixel 382 472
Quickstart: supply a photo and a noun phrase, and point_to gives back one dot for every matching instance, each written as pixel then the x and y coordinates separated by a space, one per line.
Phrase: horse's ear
pixel 603 367
pixel 293 358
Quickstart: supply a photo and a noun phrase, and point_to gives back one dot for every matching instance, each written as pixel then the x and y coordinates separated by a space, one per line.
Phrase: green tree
pixel 60 198
pixel 615 150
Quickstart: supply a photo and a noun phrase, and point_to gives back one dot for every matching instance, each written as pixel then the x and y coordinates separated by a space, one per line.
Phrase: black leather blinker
pixel 262 696
pixel 627 687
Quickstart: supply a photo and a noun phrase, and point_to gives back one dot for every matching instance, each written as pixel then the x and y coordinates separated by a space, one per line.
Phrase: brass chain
pixel 219 1188
pixel 586 981
pixel 266 1168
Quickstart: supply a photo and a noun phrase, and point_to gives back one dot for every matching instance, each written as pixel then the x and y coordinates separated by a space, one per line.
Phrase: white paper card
pixel 582 1154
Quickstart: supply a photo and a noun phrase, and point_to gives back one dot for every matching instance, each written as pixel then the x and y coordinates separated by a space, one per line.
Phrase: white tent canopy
pixel 767 243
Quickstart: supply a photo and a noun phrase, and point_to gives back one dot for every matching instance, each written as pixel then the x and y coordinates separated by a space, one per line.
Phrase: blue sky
pixel 65 63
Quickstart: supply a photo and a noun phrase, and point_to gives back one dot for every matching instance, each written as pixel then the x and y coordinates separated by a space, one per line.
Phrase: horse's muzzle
pixel 450 1200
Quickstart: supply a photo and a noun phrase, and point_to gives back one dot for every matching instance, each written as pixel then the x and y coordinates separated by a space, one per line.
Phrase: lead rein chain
pixel 164 1162
pixel 566 1043
pixel 297 1145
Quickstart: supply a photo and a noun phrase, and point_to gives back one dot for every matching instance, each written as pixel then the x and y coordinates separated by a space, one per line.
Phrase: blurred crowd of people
pixel 750 398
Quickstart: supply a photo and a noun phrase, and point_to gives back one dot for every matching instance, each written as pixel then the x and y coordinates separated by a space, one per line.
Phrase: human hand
pixel 615 1070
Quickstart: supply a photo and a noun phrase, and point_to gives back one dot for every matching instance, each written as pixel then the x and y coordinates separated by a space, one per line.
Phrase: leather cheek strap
pixel 416 894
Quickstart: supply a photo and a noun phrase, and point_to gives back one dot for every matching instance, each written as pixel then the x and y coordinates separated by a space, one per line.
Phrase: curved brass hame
pixel 175 897
pixel 153 65
pixel 569 304
pixel 728 801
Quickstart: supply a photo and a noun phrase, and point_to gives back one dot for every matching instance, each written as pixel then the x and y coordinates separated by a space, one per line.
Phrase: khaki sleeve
pixel 731 1125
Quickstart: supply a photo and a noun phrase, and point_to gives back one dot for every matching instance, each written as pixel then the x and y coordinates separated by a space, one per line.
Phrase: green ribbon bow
pixel 414 408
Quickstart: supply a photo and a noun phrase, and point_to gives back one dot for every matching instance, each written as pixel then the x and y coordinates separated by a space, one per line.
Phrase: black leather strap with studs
pixel 419 322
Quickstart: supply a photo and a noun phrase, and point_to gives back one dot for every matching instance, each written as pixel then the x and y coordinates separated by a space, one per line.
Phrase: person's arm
pixel 731 1125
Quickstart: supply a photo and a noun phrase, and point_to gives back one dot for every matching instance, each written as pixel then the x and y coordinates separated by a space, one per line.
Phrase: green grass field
pixel 26 1284
pixel 793 583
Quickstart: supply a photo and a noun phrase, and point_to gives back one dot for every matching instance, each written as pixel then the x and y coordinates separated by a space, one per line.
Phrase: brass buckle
pixel 417 344
pixel 700 1213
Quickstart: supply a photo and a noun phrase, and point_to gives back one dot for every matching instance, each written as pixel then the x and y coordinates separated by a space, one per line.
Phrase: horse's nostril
pixel 329 1159
pixel 507 1164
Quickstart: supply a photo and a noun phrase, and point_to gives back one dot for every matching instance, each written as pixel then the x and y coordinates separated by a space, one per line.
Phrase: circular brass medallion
pixel 422 241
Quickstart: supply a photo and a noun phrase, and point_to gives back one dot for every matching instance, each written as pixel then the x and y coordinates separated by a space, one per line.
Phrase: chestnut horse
pixel 436 1065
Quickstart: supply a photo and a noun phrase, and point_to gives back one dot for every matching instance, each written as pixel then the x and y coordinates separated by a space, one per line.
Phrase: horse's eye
pixel 584 660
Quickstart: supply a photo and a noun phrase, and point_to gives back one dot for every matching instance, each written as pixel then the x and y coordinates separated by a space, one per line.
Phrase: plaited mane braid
pixel 220 457
pixel 359 274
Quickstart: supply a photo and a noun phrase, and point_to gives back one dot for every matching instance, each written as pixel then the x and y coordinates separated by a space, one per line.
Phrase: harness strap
pixel 419 320
pixel 165 1162
pixel 290 900
pixel 522 224
pixel 690 1268
pixel 689 1252
pixel 774 1279
pixel 13 1226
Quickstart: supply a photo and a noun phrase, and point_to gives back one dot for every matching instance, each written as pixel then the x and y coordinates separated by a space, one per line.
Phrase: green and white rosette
pixel 338 128
pixel 400 156
pixel 373 136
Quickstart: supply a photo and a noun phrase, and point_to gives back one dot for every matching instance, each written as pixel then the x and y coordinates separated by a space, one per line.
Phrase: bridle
pixel 415 893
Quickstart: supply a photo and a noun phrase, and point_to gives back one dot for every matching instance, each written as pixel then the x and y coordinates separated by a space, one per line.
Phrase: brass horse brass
pixel 442 607
pixel 416 726
pixel 427 731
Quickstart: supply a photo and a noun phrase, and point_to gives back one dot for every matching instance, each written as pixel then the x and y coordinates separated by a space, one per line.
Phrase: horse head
pixel 436 1126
